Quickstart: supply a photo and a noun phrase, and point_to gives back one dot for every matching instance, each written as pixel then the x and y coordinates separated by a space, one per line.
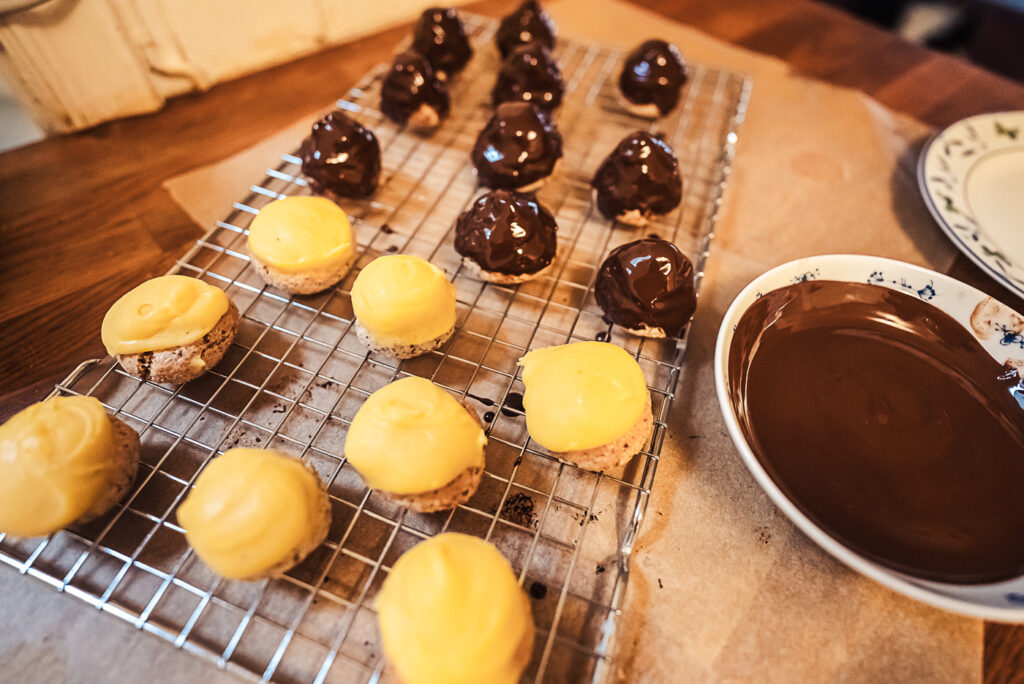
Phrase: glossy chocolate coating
pixel 647 282
pixel 518 146
pixel 653 73
pixel 410 84
pixel 529 74
pixel 528 23
pixel 888 425
pixel 341 156
pixel 441 39
pixel 507 232
pixel 641 173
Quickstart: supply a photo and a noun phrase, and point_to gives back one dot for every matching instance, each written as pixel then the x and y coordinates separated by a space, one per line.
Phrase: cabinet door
pixel 76 64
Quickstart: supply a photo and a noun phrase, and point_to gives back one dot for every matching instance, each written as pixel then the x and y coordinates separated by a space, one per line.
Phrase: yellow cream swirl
pixel 251 510
pixel 581 395
pixel 56 464
pixel 301 234
pixel 403 299
pixel 162 313
pixel 452 612
pixel 411 436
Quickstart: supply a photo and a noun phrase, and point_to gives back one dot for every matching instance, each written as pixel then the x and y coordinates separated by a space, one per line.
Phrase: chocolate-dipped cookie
pixel 341 156
pixel 518 148
pixel 507 237
pixel 441 39
pixel 646 286
pixel 413 94
pixel 528 23
pixel 639 179
pixel 652 77
pixel 529 74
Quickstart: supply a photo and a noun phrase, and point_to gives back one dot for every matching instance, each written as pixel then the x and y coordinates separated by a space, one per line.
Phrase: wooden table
pixel 85 216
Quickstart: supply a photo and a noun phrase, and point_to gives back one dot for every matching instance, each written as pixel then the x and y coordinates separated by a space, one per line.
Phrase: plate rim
pixel 962 245
pixel 890 578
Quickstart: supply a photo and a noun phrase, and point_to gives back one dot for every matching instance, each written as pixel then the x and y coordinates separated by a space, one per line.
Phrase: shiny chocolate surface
pixel 527 24
pixel 647 282
pixel 653 73
pixel 529 74
pixel 518 146
pixel 410 84
pixel 441 38
pixel 888 425
pixel 640 174
pixel 507 232
pixel 341 156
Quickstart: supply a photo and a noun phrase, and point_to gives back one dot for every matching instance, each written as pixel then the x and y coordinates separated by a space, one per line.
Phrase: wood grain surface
pixel 85 216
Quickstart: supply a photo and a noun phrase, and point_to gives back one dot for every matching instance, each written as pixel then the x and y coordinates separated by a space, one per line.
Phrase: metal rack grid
pixel 296 374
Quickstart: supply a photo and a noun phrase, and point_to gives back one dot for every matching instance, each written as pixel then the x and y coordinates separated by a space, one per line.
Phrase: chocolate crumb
pixel 386 229
pixel 278 409
pixel 600 569
pixel 582 518
pixel 489 416
pixel 519 509
pixel 660 585
pixel 538 590
pixel 392 249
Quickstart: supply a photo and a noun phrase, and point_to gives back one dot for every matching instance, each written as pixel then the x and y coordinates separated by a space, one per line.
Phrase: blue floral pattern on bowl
pixel 999 329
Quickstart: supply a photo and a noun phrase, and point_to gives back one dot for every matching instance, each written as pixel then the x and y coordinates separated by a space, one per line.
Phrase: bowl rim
pixel 892 579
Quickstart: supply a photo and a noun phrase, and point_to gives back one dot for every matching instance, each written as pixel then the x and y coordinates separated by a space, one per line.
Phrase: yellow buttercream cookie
pixel 301 244
pixel 412 437
pixel 170 329
pixel 62 460
pixel 255 513
pixel 404 305
pixel 169 311
pixel 584 396
pixel 452 612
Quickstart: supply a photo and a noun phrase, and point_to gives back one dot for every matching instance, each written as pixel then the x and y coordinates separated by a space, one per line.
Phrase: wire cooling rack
pixel 296 374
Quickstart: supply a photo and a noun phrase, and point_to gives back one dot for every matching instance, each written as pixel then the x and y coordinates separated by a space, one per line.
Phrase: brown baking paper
pixel 723 587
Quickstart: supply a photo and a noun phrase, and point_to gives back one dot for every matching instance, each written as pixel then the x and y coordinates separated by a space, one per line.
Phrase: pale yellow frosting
pixel 452 612
pixel 301 234
pixel 165 312
pixel 403 299
pixel 250 510
pixel 56 464
pixel 411 436
pixel 581 395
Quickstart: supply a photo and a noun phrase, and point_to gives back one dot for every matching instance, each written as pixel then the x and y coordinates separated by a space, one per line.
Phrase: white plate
pixel 972 178
pixel 1003 601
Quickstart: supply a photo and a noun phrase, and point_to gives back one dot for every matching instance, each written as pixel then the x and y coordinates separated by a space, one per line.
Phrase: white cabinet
pixel 76 63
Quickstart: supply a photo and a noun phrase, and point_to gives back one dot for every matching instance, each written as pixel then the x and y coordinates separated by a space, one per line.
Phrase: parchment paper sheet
pixel 723 587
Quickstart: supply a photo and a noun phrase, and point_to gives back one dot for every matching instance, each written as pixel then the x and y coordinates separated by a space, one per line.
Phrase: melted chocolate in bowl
pixel 886 423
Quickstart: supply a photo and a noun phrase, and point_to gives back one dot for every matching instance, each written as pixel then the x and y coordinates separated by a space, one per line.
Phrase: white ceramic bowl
pixel 1003 601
